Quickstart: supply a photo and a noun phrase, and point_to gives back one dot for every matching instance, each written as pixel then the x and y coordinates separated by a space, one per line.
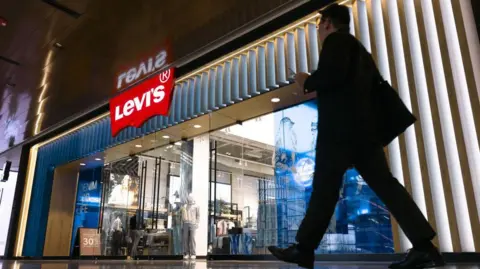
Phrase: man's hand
pixel 300 79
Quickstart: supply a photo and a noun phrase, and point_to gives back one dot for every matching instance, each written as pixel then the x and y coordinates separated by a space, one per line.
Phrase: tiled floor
pixel 188 265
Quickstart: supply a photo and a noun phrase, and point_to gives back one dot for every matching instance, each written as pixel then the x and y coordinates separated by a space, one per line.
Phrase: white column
pixel 200 176
pixel 448 132
pixel 431 150
pixel 464 104
pixel 404 91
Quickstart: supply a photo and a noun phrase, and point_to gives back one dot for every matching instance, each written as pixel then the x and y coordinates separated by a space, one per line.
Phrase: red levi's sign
pixel 136 105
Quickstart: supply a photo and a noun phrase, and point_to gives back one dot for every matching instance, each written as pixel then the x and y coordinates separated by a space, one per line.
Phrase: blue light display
pixel 87 206
pixel 360 224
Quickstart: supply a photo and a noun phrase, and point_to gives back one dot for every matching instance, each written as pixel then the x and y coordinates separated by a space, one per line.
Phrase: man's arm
pixel 333 66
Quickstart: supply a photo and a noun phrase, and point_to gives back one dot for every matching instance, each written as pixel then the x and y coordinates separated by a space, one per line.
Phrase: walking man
pixel 348 135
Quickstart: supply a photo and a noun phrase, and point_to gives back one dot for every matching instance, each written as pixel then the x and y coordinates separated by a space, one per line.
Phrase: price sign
pixel 89 242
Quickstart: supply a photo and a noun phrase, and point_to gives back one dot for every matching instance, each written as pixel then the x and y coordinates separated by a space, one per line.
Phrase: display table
pixel 159 243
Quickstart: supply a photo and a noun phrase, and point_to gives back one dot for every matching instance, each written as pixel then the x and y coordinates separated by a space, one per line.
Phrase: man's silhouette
pixel 348 134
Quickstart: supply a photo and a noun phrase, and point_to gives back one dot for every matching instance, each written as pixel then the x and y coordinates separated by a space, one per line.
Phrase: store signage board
pixel 136 105
pixel 89 242
pixel 134 73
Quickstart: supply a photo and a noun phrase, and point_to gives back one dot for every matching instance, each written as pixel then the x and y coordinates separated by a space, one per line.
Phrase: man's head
pixel 333 18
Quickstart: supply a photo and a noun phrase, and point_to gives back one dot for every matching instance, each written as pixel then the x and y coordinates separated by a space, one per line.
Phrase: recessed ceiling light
pixel 179 143
pixel 58 45
pixel 138 146
pixel 98 159
pixel 197 126
pixel 166 136
pixel 82 164
pixel 275 100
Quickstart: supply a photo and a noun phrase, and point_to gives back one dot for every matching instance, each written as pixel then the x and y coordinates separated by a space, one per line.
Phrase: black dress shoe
pixel 420 259
pixel 293 255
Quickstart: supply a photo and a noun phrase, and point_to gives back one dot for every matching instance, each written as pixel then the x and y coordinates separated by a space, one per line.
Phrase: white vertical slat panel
pixel 205 93
pixel 219 77
pixel 174 105
pixel 447 127
pixel 352 21
pixel 301 48
pixel 395 158
pixel 433 163
pixel 404 92
pixel 227 83
pixel 313 48
pixel 198 95
pixel 185 93
pixel 243 77
pixel 290 51
pixel 363 25
pixel 235 78
pixel 191 98
pixel 212 88
pixel 473 46
pixel 252 73
pixel 261 69
pixel 271 67
pixel 470 134
pixel 280 61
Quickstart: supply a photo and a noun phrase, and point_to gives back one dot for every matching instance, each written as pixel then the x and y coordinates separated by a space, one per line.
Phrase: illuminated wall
pixel 429 50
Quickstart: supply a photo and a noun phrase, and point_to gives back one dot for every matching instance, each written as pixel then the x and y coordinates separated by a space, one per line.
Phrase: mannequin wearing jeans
pixel 190 219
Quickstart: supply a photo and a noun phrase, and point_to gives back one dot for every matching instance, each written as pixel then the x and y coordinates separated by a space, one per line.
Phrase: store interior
pixel 261 172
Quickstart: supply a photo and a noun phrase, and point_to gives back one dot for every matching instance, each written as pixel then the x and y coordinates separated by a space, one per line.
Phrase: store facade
pixel 238 138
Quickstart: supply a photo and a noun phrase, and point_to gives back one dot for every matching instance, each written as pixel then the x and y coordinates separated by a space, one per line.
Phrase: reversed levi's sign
pixel 145 68
pixel 150 98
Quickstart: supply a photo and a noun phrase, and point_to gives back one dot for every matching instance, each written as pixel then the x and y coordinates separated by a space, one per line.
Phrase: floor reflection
pixel 201 264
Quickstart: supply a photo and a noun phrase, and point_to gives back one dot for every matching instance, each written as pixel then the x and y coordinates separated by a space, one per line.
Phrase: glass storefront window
pixel 135 202
pixel 269 163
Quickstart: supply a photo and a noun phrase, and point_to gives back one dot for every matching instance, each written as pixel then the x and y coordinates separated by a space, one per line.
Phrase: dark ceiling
pixel 42 84
pixel 33 26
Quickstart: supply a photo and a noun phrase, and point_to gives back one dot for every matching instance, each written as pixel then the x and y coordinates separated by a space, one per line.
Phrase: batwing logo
pixel 150 98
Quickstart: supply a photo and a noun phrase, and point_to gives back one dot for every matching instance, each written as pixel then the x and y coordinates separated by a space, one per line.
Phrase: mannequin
pixel 117 234
pixel 177 224
pixel 190 219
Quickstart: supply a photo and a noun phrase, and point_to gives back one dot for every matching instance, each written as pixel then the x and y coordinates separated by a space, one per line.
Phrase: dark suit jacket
pixel 344 85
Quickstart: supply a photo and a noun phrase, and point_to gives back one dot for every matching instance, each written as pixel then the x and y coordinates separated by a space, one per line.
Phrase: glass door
pixel 122 200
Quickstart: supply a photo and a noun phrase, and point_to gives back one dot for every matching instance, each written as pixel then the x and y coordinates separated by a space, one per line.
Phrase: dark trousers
pixel 370 161
pixel 117 243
